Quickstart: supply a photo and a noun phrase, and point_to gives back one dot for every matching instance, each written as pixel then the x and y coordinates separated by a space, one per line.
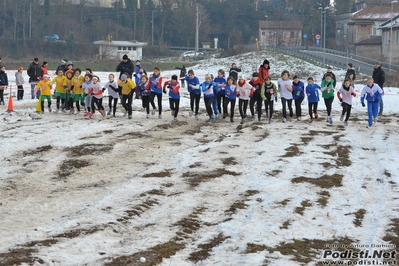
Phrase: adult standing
pixel 138 67
pixel 350 70
pixel 183 73
pixel 62 66
pixel 34 73
pixel 125 66
pixel 379 78
pixel 3 83
pixel 233 72
pixel 44 69
pixel 263 70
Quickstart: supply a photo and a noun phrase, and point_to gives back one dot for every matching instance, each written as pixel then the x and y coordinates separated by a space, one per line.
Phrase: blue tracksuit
pixel 156 84
pixel 218 81
pixel 373 95
pixel 195 82
pixel 298 90
pixel 312 90
pixel 231 92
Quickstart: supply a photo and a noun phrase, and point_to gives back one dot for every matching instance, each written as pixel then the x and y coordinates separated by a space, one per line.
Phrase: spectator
pixel 379 78
pixel 125 66
pixel 183 73
pixel 233 72
pixel 34 73
pixel 62 66
pixel 44 69
pixel 19 80
pixel 350 70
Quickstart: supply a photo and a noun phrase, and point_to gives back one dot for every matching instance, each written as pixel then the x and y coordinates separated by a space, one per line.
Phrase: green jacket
pixel 324 88
pixel 265 91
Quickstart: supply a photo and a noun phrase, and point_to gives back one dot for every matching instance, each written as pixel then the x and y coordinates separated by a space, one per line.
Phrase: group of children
pixel 71 88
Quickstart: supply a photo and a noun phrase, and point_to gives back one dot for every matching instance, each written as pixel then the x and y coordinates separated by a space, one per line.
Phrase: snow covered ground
pixel 99 191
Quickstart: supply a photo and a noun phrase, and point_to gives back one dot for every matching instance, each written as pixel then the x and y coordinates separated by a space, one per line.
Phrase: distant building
pixel 387 39
pixel 280 33
pixel 116 49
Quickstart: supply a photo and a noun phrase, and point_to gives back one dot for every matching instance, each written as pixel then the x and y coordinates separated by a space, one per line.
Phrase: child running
pixel 215 105
pixel 44 86
pixel 77 81
pixel 97 94
pixel 195 93
pixel 327 88
pixel 312 91
pixel 372 92
pixel 298 95
pixel 285 90
pixel 145 93
pixel 174 96
pixel 128 87
pixel 113 94
pixel 207 87
pixel 60 85
pixel 269 95
pixel 256 83
pixel 220 80
pixel 244 90
pixel 231 95
pixel 344 95
pixel 87 85
pixel 156 90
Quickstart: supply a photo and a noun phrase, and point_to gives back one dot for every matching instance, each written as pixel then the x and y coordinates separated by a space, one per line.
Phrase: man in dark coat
pixel 349 71
pixel 182 75
pixel 379 78
pixel 125 66
pixel 233 72
pixel 34 73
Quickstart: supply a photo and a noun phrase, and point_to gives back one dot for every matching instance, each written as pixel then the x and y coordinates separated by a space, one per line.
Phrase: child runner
pixel 327 88
pixel 220 80
pixel 312 91
pixel 231 95
pixel 256 97
pixel 69 93
pixel 156 90
pixel 244 90
pixel 298 90
pixel 285 90
pixel 195 93
pixel 113 94
pixel 174 95
pixel 128 86
pixel 269 95
pixel 60 85
pixel 77 81
pixel 87 85
pixel 373 93
pixel 137 78
pixel 345 94
pixel 145 89
pixel 19 80
pixel 97 93
pixel 44 86
pixel 215 105
pixel 207 87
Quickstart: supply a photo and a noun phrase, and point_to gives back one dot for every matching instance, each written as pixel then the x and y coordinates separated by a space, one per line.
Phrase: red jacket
pixel 263 72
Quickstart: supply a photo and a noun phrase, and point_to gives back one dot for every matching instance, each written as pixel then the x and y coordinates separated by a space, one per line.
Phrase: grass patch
pixel 326 165
pixel 37 150
pixel 292 151
pixel 285 224
pixel 284 202
pixel 304 204
pixel 241 204
pixel 165 173
pixel 137 210
pixel 153 192
pixel 387 173
pixel 195 178
pixel 263 136
pixel 392 234
pixel 275 172
pixel 325 181
pixel 306 139
pixel 89 149
pixel 153 256
pixel 70 166
pixel 323 199
pixel 205 249
pixel 229 161
pixel 359 215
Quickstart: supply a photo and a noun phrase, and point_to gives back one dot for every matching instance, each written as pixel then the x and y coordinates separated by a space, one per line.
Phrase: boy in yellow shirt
pixel 128 87
pixel 61 84
pixel 44 86
pixel 77 82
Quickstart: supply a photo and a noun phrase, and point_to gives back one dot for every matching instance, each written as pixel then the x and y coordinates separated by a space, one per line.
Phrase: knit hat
pixel 69 71
pixel 255 74
pixel 46 76
pixel 241 77
pixel 69 63
pixel 124 77
pixel 125 57
pixel 64 61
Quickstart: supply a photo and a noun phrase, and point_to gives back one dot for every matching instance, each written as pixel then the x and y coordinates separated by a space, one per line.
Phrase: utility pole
pixel 30 20
pixel 196 31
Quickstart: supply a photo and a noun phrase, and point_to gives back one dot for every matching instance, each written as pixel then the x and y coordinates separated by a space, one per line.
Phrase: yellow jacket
pixel 60 82
pixel 44 87
pixel 76 83
pixel 127 86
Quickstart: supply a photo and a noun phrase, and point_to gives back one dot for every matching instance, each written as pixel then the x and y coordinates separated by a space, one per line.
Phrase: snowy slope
pixel 78 191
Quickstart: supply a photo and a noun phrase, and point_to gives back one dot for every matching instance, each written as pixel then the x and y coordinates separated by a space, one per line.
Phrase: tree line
pixel 24 23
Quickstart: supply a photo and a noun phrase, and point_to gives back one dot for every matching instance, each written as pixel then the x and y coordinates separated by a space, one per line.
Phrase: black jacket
pixel 350 71
pixel 234 72
pixel 183 71
pixel 379 76
pixel 34 72
pixel 125 67
pixel 3 78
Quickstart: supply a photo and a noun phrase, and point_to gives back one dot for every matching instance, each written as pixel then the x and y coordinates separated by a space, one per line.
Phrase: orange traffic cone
pixel 10 104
